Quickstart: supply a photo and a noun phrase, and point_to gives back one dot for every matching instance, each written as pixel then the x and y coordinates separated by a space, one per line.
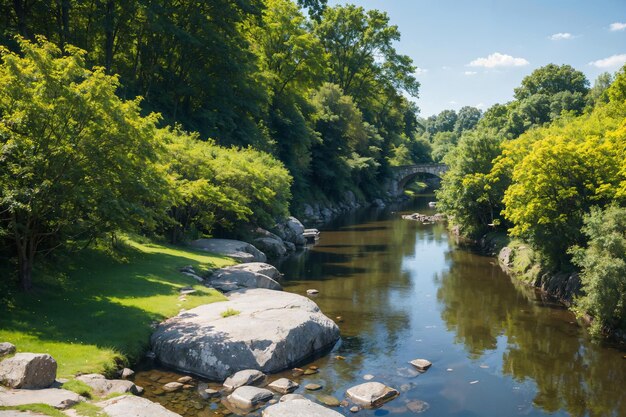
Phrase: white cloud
pixel 561 36
pixel 613 61
pixel 617 26
pixel 452 102
pixel 498 60
pixel 480 106
pixel 469 73
pixel 420 71
pixel 446 68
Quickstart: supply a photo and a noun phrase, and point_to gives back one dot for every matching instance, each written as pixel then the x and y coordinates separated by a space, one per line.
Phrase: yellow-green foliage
pixel 230 312
pixel 44 409
pixel 214 185
pixel 99 310
pixel 553 175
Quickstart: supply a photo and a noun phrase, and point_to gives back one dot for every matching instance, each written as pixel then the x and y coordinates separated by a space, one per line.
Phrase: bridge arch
pixel 403 174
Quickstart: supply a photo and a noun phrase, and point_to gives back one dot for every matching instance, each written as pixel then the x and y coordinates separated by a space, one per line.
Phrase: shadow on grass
pixel 101 301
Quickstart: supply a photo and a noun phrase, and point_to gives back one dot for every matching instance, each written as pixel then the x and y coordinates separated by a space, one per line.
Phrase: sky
pixel 476 52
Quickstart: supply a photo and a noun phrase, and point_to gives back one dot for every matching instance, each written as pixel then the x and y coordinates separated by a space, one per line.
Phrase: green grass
pixel 230 312
pixel 78 387
pixel 89 410
pixel 37 408
pixel 93 311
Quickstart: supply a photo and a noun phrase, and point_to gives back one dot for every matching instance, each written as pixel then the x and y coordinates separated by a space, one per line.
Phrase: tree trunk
pixel 109 30
pixel 25 265
pixel 19 6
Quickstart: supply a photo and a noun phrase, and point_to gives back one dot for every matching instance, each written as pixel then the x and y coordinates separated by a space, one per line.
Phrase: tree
pixel 467 119
pixel 603 263
pixel 76 161
pixel 467 192
pixel 552 79
pixel 361 46
pixel 554 185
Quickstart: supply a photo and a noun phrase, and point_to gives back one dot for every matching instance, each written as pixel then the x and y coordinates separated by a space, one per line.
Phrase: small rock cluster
pixel 425 218
pixel 30 378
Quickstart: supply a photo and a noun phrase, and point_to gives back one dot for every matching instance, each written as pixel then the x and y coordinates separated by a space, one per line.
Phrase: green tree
pixel 552 79
pixel 467 119
pixel 603 263
pixel 76 161
pixel 361 46
pixel 468 193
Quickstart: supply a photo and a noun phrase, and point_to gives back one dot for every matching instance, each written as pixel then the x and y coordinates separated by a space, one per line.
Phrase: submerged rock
pixel 28 371
pixel 372 394
pixel 241 251
pixel 291 397
pixel 299 408
pixel 273 331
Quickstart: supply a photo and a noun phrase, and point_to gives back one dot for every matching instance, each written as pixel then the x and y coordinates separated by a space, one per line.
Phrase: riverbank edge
pixel 517 260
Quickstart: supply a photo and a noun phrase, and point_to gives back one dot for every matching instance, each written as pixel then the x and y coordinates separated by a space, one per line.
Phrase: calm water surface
pixel 403 291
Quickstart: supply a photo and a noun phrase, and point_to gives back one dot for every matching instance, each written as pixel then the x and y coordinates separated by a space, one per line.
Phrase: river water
pixel 403 290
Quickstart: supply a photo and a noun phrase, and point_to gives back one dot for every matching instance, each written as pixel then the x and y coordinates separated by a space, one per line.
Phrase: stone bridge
pixel 403 174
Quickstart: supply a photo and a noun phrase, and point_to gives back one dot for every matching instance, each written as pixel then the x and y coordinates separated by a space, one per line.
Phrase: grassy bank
pixel 95 309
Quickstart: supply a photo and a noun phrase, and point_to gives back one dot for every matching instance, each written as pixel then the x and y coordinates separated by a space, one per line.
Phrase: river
pixel 401 290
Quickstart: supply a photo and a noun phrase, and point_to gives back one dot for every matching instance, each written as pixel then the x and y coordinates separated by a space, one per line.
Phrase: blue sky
pixel 454 43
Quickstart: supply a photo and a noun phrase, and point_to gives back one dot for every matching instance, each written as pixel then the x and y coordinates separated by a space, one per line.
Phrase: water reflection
pixel 543 343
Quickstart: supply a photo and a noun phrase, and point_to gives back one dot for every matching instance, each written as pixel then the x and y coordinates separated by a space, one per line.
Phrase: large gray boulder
pixel 131 406
pixel 299 408
pixel 273 248
pixel 54 397
pixel 291 230
pixel 103 387
pixel 241 251
pixel 231 279
pixel 28 371
pixel 272 331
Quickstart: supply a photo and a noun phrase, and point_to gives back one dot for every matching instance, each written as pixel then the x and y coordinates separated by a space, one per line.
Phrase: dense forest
pixel 181 119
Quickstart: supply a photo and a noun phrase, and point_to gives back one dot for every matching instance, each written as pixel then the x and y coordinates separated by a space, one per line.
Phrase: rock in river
pixel 242 251
pixel 247 396
pixel 299 408
pixel 273 331
pixel 421 364
pixel 245 377
pixel 283 386
pixel 372 394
